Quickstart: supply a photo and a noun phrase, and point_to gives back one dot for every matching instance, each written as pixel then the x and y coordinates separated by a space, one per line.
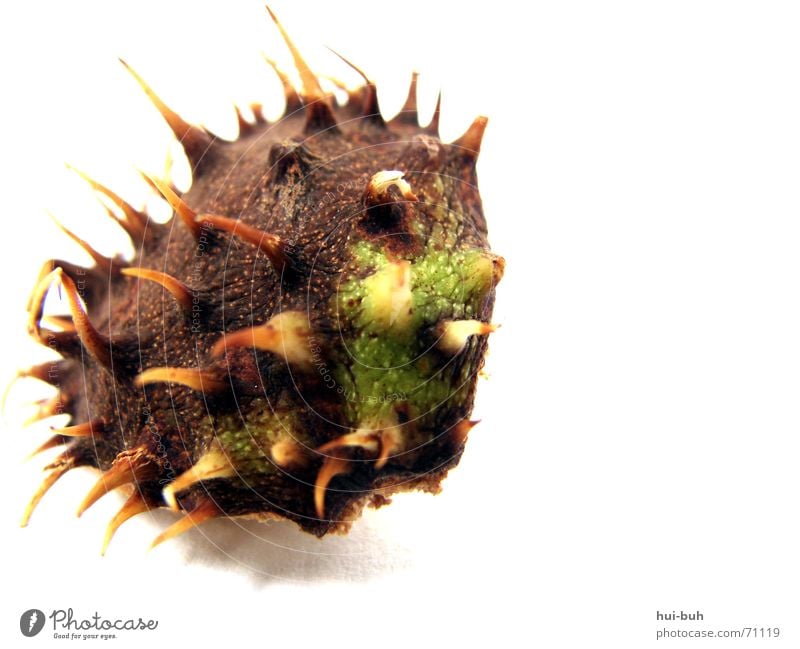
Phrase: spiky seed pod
pixel 332 286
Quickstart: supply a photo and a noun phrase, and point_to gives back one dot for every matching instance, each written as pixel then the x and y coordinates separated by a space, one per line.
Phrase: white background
pixel 639 445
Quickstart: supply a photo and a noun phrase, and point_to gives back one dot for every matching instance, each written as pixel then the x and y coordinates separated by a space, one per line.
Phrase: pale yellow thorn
pixel 64 323
pixel 194 378
pixel 470 141
pixel 391 441
pixel 48 482
pixel 379 185
pixel 388 296
pixel 205 511
pixel 54 441
pixel 311 88
pixel 36 301
pixel 45 409
pixel 488 271
pixel 94 342
pixel 99 259
pixel 176 288
pixel 331 467
pixel 456 333
pixel 272 246
pixel 287 452
pixel 368 440
pixel 86 429
pixel 119 474
pixel 285 334
pixel 184 212
pixel 136 504
pixel 212 464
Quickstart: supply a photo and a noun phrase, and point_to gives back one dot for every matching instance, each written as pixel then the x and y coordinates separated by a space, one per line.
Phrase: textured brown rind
pixel 302 181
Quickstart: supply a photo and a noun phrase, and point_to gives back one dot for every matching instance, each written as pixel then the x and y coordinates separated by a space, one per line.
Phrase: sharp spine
pixel 271 245
pixel 93 341
pixel 258 114
pixel 293 101
pixel 331 467
pixel 388 296
pixel 377 191
pixel 433 126
pixel 489 269
pixel 195 141
pixel 107 264
pixel 198 379
pixel 214 463
pixel 340 85
pixel 368 440
pixel 454 334
pixel 152 185
pixel 45 278
pixel 47 372
pixel 37 299
pixel 285 335
pixel 408 113
pixel 391 441
pixel 182 294
pixel 134 222
pixel 136 504
pixel 205 511
pixel 47 483
pixel 319 114
pixel 460 431
pixel 469 143
pixel 370 110
pixel 128 467
pixel 65 323
pixel 245 127
pixel 184 212
pixel 47 408
pixel 287 453
pixel 382 438
pixel 52 442
pixel 41 372
pixel 86 429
